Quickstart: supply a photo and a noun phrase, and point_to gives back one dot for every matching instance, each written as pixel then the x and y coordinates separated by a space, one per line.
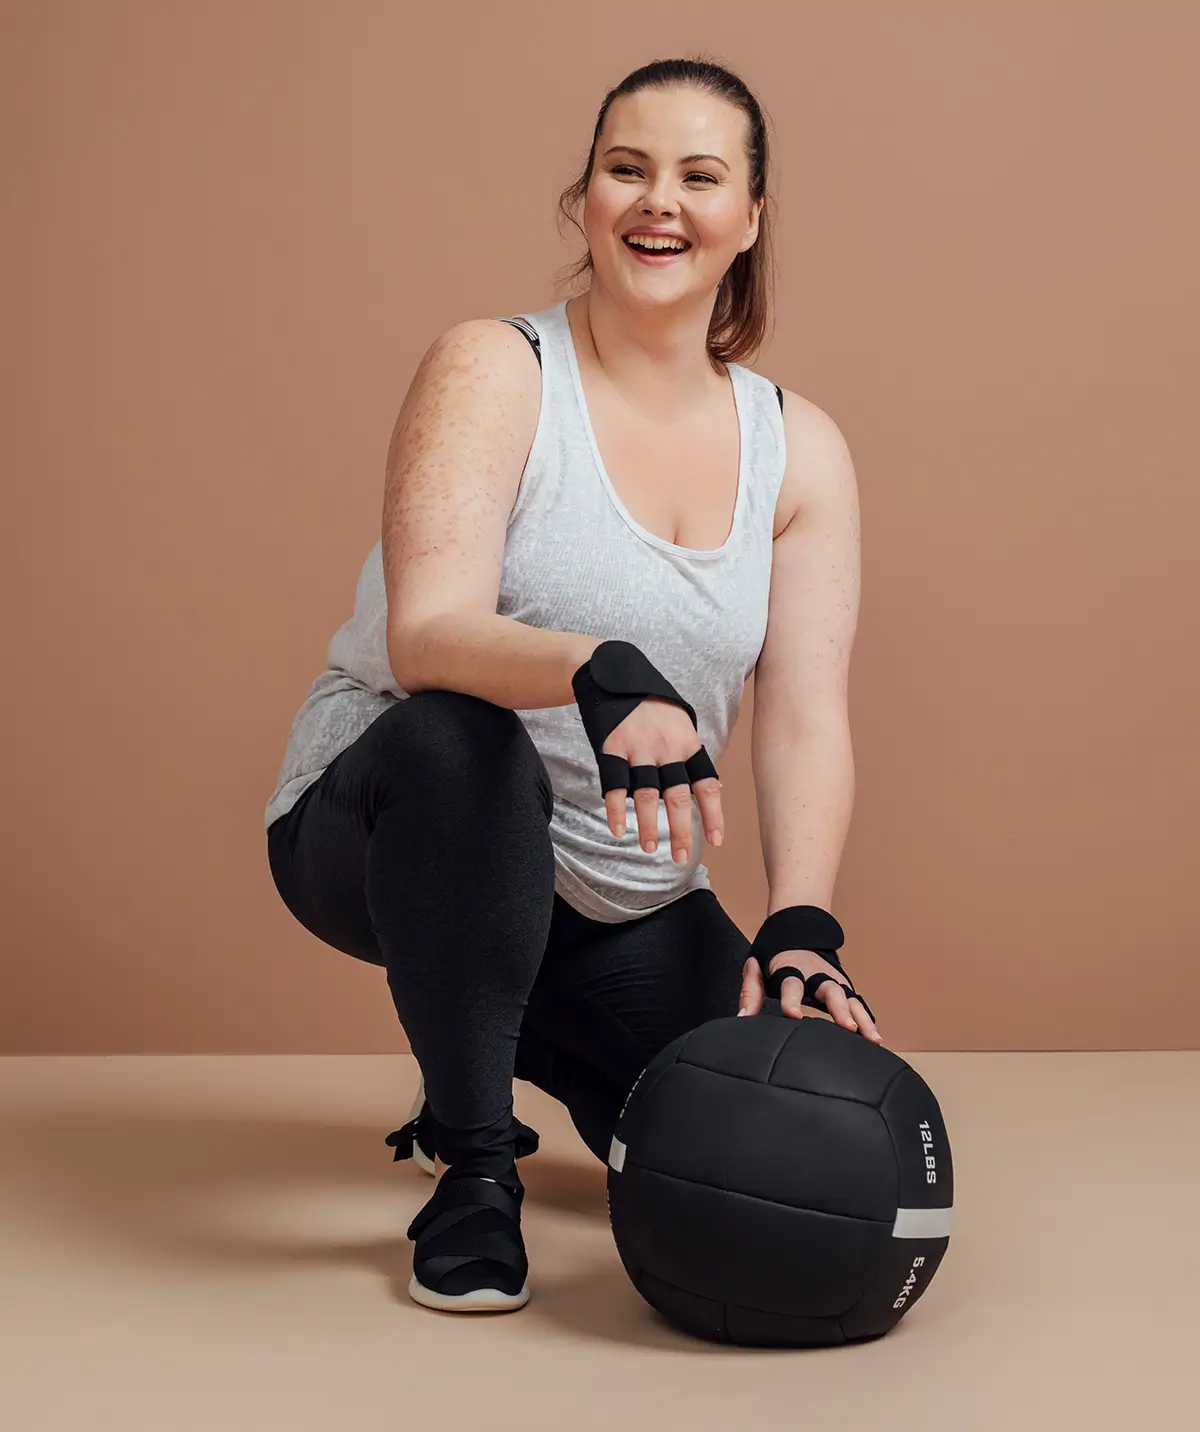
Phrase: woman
pixel 594 517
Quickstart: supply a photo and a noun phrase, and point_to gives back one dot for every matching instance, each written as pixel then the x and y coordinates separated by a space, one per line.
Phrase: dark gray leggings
pixel 424 847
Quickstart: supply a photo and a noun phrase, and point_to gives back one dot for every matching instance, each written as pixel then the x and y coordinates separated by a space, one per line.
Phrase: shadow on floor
pixel 162 1188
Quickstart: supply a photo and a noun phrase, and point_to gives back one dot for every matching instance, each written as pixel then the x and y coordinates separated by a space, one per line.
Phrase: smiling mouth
pixel 663 253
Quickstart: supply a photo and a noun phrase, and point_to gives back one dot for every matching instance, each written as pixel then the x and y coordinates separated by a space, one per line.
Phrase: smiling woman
pixel 577 572
pixel 739 319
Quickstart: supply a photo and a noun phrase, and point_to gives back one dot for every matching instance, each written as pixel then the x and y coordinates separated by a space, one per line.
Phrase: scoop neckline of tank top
pixel 614 497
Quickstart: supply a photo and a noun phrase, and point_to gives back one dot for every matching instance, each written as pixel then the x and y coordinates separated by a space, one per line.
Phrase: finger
pixel 866 1025
pixel 645 802
pixel 750 1000
pixel 791 997
pixel 616 803
pixel 678 801
pixel 708 798
pixel 831 993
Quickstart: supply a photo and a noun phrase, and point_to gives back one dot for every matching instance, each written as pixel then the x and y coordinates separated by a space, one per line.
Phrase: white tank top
pixel 575 559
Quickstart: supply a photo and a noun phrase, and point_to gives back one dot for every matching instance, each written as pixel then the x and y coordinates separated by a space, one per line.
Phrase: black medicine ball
pixel 780 1182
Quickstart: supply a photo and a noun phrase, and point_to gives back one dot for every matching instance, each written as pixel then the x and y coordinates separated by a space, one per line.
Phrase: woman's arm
pixel 800 745
pixel 454 468
pixel 801 751
pixel 805 789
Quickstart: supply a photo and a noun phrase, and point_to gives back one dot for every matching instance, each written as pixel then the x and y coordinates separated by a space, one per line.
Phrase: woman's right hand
pixel 654 733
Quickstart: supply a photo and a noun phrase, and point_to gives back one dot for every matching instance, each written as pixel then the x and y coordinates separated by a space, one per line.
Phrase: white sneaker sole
pixel 479 1300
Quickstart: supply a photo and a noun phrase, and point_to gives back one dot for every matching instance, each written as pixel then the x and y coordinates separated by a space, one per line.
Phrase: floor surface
pixel 216 1244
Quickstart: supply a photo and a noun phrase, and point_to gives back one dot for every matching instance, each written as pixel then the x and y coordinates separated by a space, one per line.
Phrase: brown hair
pixel 740 313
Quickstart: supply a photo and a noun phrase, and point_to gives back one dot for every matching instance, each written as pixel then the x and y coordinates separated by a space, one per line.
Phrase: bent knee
pixel 455 736
pixel 460 722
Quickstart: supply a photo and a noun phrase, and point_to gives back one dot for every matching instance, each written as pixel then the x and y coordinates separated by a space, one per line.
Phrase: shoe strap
pixel 402 1139
pixel 525 1139
pixel 468 1190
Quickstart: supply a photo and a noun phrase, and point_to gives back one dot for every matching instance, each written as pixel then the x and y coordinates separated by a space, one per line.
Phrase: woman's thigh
pixel 614 995
pixel 318 852
pixel 466 779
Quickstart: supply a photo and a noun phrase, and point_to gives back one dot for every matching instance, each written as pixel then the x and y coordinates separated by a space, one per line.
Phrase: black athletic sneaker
pixel 469 1255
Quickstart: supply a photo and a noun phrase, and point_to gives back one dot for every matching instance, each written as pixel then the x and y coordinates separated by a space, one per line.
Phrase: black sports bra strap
pixel 779 395
pixel 530 332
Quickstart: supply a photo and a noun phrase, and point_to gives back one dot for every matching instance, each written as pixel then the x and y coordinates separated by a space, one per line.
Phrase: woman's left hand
pixel 849 1013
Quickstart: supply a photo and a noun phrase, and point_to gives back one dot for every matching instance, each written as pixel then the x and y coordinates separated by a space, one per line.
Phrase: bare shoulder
pixel 819 468
pixel 480 350
pixel 478 383
pixel 454 467
pixel 484 334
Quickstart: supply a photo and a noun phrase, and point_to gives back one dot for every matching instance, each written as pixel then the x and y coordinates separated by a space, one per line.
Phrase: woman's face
pixel 643 177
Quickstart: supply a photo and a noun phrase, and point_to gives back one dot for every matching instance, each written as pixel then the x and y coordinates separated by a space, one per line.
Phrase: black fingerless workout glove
pixel 615 681
pixel 802 927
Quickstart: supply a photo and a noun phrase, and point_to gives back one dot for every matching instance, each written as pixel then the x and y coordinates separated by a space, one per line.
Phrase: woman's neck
pixel 655 359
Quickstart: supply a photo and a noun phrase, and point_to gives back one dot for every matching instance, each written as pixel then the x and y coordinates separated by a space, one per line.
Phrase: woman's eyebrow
pixel 641 154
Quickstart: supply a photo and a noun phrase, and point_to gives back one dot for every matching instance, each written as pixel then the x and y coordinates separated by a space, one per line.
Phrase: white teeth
pixel 642 241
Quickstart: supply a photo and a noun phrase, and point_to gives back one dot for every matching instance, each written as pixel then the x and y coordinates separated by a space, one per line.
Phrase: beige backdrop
pixel 232 229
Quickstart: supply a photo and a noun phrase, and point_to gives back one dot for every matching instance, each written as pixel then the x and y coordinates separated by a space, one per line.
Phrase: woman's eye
pixel 629 169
